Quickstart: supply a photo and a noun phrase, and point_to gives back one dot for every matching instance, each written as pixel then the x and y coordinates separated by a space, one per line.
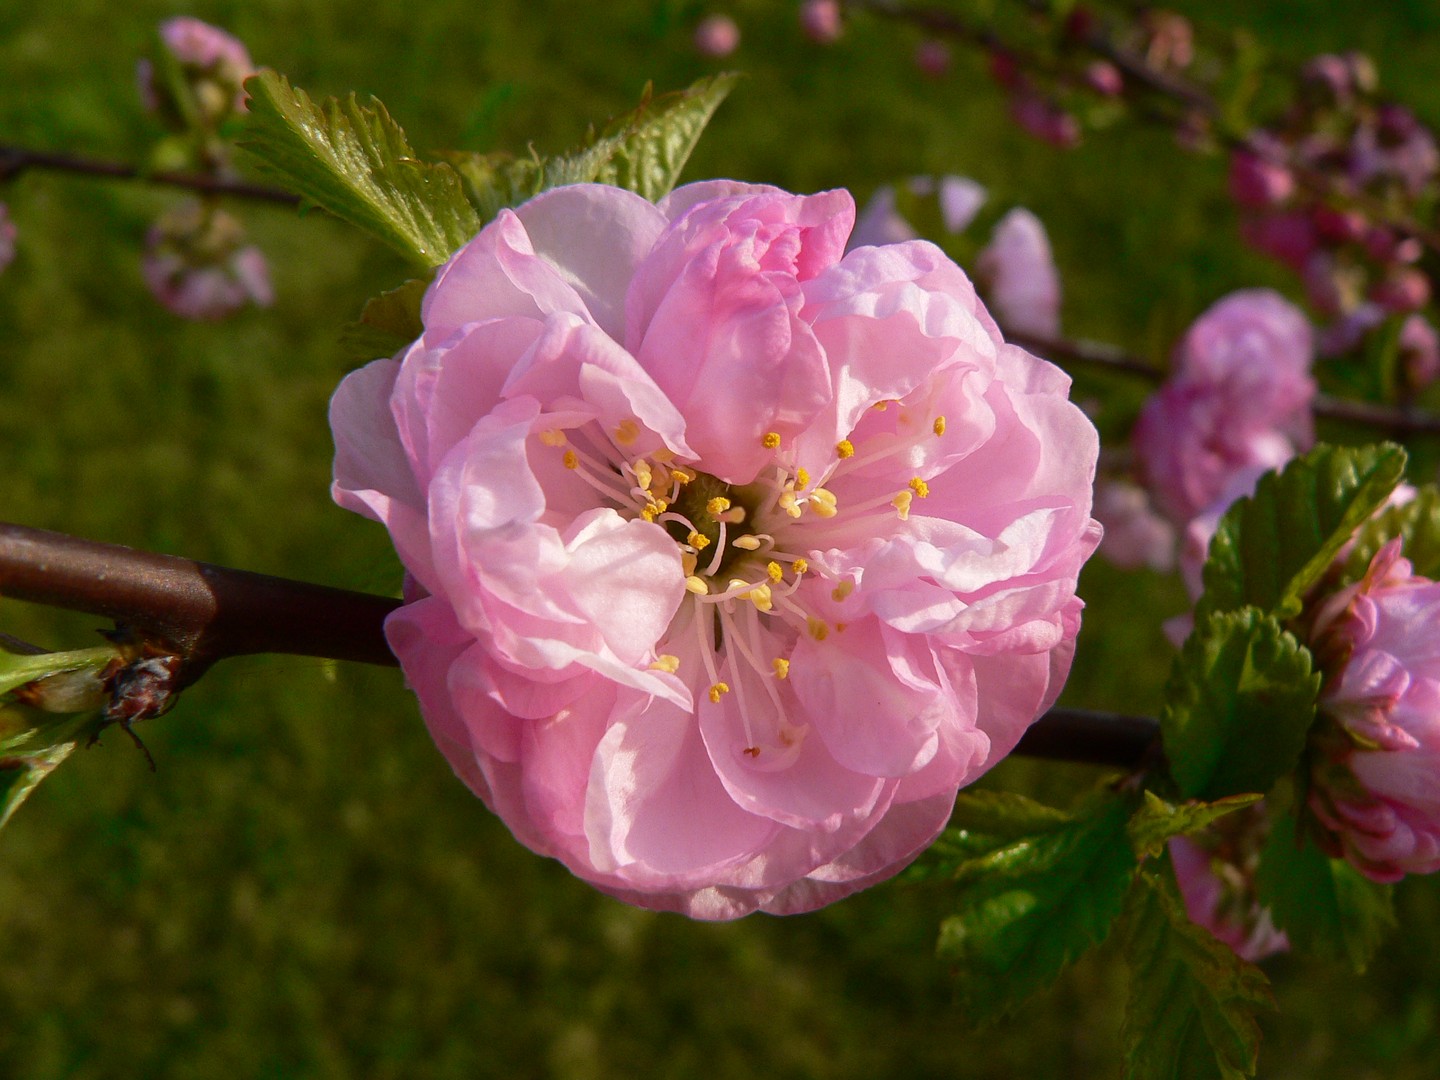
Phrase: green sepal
pixel 1417 523
pixel 1270 548
pixel 1238 704
pixel 21 669
pixel 20 774
pixel 643 151
pixel 354 161
pixel 1325 906
pixel 1157 820
pixel 388 323
pixel 1192 1002
pixel 1034 898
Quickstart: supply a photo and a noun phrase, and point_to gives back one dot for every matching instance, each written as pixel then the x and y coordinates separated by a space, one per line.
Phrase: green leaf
pixel 1417 523
pixel 20 669
pixel 1238 705
pixel 389 322
pixel 643 151
pixel 1192 1001
pixel 19 775
pixel 1158 820
pixel 1271 548
pixel 1034 902
pixel 354 161
pixel 1324 905
pixel 982 823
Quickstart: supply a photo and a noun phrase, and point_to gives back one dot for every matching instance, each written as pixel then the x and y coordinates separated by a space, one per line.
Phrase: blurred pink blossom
pixel 214 63
pixel 1019 271
pixel 1134 534
pixel 1044 119
pixel 717 36
pixel 933 58
pixel 1239 400
pixel 821 20
pixel 8 232
pixel 1375 786
pixel 197 264
pixel 1257 180
pixel 730 558
pixel 1419 352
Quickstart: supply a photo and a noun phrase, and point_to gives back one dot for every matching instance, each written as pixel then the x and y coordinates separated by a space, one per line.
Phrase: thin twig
pixel 15 160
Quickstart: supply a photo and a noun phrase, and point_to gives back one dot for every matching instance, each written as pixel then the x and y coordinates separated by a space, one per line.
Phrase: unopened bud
pixel 821 21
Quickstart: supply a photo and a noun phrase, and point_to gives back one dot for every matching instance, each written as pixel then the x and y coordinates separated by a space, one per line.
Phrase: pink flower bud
pixel 821 21
pixel 8 232
pixel 933 58
pixel 1257 182
pixel 1402 290
pixel 1045 120
pixel 1216 875
pixel 1134 534
pixel 1104 78
pixel 197 264
pixel 1288 237
pixel 1339 226
pixel 1375 785
pixel 717 36
pixel 726 575
pixel 1419 352
pixel 215 63
pixel 1330 74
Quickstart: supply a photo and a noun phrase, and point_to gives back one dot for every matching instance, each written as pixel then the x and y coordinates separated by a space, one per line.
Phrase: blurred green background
pixel 303 889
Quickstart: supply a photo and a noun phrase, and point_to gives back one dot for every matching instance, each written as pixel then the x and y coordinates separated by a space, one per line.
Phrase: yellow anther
pixel 939 426
pixel 698 541
pixel 771 441
pixel 790 504
pixel 802 478
pixel 775 570
pixel 627 432
pixel 716 691
pixel 572 461
pixel 782 668
pixel 553 437
pixel 654 509
pixel 841 591
pixel 679 475
pixel 822 502
pixel 696 585
pixel 688 562
pixel 819 629
pixel 799 565
pixel 746 542
pixel 717 506
pixel 642 474
pixel 734 516
pixel 845 448
pixel 919 487
pixel 760 597
pixel 666 662
pixel 663 454
pixel 901 503
pixel 880 406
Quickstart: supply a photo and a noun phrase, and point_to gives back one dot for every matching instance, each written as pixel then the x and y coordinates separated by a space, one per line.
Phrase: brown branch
pixel 1092 738
pixel 200 612
pixel 15 160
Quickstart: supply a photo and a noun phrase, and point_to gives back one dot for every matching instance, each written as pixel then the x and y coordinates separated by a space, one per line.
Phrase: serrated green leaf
pixel 1238 705
pixel 355 162
pixel 644 151
pixel 1158 820
pixel 388 323
pixel 1033 904
pixel 1192 1001
pixel 652 143
pixel 1417 523
pixel 982 823
pixel 19 775
pixel 1325 906
pixel 1272 547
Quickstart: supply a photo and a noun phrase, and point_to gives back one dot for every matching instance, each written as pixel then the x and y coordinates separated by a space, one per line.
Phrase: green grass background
pixel 303 889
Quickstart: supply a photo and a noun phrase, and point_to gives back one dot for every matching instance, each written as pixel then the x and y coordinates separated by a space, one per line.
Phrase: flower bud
pixel 1419 352
pixel 1216 874
pixel 821 21
pixel 1135 535
pixel 933 58
pixel 717 36
pixel 1257 182
pixel 1019 273
pixel 8 233
pixel 197 264
pixel 1045 120
pixel 1402 290
pixel 214 65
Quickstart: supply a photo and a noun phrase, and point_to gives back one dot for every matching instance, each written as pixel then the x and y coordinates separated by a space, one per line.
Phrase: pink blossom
pixel 1216 875
pixel 821 21
pixel 730 558
pixel 1134 534
pixel 1044 119
pixel 1419 351
pixel 197 264
pixel 8 232
pixel 1257 180
pixel 1019 269
pixel 215 63
pixel 1376 782
pixel 1239 400
pixel 933 58
pixel 717 36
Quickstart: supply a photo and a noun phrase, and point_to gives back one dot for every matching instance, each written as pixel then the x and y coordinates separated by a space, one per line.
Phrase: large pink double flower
pixel 732 558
